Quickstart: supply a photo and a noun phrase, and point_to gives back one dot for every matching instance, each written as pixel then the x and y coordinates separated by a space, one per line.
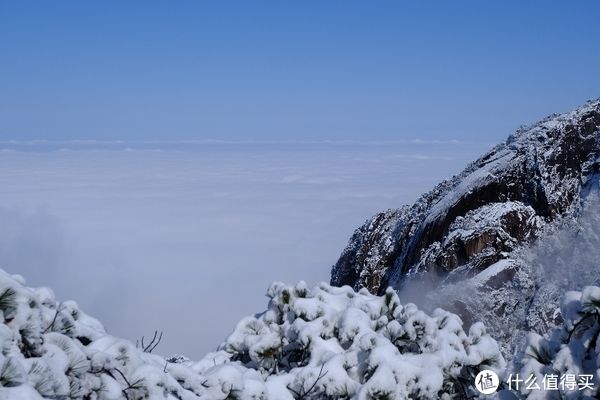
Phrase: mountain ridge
pixel 542 170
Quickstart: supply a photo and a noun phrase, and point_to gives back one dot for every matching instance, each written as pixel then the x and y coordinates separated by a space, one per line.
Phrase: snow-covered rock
pixel 500 242
pixel 477 218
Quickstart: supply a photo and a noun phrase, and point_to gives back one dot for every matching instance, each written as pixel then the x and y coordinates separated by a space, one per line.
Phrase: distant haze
pixel 187 240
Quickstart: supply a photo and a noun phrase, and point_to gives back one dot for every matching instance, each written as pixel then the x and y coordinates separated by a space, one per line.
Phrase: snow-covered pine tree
pixel 571 349
pixel 311 343
pixel 334 343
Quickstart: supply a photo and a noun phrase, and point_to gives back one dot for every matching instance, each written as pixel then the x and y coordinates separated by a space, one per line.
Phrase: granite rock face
pixel 478 218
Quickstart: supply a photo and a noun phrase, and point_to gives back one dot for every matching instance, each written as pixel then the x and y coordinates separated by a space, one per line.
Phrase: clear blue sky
pixel 283 70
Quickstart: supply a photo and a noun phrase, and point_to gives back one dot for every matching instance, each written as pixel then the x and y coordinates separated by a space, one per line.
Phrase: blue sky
pixel 276 70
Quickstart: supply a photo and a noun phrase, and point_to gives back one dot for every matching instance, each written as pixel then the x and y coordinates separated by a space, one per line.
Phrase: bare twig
pixel 58 310
pixel 148 348
pixel 130 386
pixel 301 396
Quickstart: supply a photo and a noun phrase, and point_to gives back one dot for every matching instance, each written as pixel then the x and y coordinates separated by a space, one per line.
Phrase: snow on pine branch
pixel 572 349
pixel 319 343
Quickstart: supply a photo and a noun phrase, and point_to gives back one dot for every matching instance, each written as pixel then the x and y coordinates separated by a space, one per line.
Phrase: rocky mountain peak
pixel 498 203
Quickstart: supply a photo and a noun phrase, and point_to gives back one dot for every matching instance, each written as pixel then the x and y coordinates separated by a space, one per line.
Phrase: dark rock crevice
pixel 540 171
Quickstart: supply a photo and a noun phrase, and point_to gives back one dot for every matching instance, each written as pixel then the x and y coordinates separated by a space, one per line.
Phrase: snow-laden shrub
pixel 570 350
pixel 53 350
pixel 334 343
pixel 319 343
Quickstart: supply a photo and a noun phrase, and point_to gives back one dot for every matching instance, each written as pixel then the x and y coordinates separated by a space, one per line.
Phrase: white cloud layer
pixel 186 239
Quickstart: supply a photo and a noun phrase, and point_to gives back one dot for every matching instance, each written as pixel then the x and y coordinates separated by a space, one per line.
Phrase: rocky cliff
pixel 497 204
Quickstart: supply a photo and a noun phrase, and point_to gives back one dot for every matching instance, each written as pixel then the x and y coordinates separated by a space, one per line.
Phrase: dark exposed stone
pixel 478 217
pixel 84 340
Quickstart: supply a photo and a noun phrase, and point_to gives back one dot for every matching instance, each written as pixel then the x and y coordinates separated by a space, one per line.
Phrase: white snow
pixel 311 343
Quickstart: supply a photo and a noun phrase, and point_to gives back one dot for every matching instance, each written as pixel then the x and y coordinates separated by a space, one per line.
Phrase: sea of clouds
pixel 185 237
